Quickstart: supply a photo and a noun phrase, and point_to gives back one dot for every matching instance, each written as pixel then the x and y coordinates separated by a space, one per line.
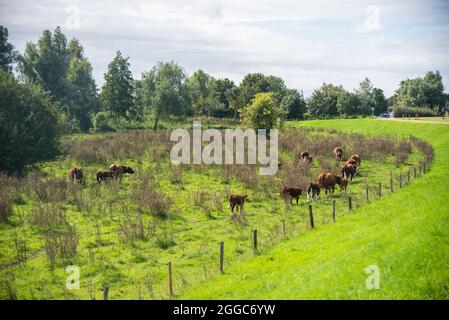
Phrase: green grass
pixel 283 269
pixel 406 234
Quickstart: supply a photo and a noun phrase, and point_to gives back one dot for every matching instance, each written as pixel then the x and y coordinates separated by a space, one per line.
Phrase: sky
pixel 305 43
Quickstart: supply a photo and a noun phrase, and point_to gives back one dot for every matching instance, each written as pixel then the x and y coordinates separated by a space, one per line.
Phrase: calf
pixel 344 185
pixel 338 153
pixel 356 158
pixel 304 155
pixel 328 182
pixel 76 174
pixel 237 201
pixel 291 193
pixel 348 171
pixel 120 170
pixel 105 175
pixel 313 191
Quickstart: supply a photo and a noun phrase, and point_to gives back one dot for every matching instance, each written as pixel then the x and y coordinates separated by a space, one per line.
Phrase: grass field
pixel 123 235
pixel 405 234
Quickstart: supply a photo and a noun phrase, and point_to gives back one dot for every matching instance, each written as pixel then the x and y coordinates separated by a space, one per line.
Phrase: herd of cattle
pixel 326 181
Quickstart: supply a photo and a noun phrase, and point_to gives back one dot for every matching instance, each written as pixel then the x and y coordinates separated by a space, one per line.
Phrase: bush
pixel 103 122
pixel 411 112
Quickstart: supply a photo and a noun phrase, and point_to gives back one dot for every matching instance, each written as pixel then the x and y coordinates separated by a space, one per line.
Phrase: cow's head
pixel 128 170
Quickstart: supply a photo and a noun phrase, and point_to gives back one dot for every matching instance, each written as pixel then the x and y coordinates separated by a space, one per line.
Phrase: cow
pixel 290 193
pixel 350 162
pixel 308 159
pixel 313 191
pixel 348 171
pixel 237 202
pixel 305 155
pixel 344 185
pixel 328 182
pixel 338 153
pixel 106 175
pixel 120 170
pixel 76 174
pixel 356 158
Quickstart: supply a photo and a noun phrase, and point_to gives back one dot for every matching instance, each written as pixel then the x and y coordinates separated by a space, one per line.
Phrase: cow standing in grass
pixel 348 171
pixel 338 153
pixel 328 182
pixel 356 159
pixel 119 170
pixel 237 202
pixel 76 174
pixel 313 191
pixel 105 175
pixel 290 193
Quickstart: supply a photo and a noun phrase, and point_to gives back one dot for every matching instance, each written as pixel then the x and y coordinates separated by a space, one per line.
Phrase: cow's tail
pixel 98 178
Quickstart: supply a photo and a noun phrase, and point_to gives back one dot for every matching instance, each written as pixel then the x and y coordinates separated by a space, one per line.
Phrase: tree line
pixel 49 90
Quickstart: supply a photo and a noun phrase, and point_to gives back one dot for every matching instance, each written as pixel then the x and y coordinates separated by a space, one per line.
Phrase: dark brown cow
pixel 338 153
pixel 348 171
pixel 106 175
pixel 344 185
pixel 237 201
pixel 356 158
pixel 291 193
pixel 313 191
pixel 304 155
pixel 120 170
pixel 328 182
pixel 76 174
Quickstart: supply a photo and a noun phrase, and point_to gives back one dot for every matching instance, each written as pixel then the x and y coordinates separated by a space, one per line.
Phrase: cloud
pixel 306 43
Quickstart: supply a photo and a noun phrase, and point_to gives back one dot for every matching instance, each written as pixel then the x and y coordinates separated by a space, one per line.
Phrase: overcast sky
pixel 305 43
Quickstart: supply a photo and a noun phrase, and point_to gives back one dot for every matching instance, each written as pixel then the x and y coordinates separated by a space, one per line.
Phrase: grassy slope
pixel 406 234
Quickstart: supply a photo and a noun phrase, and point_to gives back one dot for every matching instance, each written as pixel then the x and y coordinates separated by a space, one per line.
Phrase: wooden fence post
pixel 400 181
pixel 255 240
pixel 367 193
pixel 333 210
pixel 380 189
pixel 170 280
pixel 414 172
pixel 349 203
pixel 283 229
pixel 221 256
pixel 408 176
pixel 391 183
pixel 106 293
pixel 312 224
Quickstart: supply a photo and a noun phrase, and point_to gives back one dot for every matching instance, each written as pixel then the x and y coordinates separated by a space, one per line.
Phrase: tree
pixel 224 93
pixel 28 125
pixel 380 102
pixel 200 85
pixel 426 92
pixel 323 102
pixel 83 97
pixel 164 91
pixel 254 83
pixel 347 103
pixel 263 112
pixel 117 92
pixel 7 53
pixel 293 104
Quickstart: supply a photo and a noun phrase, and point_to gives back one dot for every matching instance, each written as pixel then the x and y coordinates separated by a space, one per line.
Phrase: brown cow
pixel 106 175
pixel 338 153
pixel 120 170
pixel 344 185
pixel 76 174
pixel 357 159
pixel 313 191
pixel 237 201
pixel 348 171
pixel 307 159
pixel 350 162
pixel 328 182
pixel 291 193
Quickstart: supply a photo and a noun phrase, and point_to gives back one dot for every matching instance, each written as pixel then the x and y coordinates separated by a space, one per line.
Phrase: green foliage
pixel 411 112
pixel 371 100
pixel 7 53
pixel 293 104
pixel 323 102
pixel 164 91
pixel 254 83
pixel 28 125
pixel 117 92
pixel 262 113
pixel 425 92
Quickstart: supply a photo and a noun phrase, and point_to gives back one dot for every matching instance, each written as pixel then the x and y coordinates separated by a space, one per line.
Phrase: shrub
pixel 411 112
